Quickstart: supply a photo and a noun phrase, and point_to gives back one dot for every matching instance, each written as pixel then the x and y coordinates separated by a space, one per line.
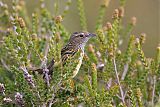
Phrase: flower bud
pixel 58 19
pixel 121 12
pixel 5 6
pixel 21 22
pixel 90 48
pixel 137 41
pixel 106 3
pixel 119 52
pixel 93 66
pixel 138 63
pixel 34 36
pixel 58 37
pixel 115 14
pixel 158 48
pixel 138 92
pixel 18 7
pixel 86 58
pixel 142 38
pixel 6 12
pixel 108 26
pixel 21 2
pixel 133 21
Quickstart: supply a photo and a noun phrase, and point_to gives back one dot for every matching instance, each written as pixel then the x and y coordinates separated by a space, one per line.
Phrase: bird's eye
pixel 81 35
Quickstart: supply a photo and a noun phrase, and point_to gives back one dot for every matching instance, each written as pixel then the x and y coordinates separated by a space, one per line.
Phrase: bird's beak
pixel 91 35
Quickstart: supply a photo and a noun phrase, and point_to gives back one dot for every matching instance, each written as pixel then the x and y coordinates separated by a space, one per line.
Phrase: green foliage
pixel 80 7
pixel 107 78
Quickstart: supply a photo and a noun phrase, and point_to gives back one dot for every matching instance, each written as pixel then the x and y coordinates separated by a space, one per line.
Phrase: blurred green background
pixel 146 11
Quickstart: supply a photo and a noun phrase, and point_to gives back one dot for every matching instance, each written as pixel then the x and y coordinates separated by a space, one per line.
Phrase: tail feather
pixel 49 67
pixel 40 71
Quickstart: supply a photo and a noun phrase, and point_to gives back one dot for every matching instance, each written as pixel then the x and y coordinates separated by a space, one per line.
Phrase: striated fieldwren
pixel 72 53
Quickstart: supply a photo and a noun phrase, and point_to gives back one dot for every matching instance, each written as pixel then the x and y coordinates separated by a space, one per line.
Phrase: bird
pixel 72 53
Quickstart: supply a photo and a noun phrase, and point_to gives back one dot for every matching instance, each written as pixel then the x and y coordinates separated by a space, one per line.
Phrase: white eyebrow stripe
pixel 82 33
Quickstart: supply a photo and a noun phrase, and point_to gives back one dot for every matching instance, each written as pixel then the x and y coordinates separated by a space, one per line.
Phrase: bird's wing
pixel 66 53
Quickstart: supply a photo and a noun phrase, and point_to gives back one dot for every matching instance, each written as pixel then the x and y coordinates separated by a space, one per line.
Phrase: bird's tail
pixel 49 67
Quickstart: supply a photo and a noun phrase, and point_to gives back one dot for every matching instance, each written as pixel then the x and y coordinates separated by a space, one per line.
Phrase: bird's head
pixel 79 39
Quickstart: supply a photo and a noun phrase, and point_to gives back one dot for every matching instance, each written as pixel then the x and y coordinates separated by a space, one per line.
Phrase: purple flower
pixel 2 88
pixel 19 99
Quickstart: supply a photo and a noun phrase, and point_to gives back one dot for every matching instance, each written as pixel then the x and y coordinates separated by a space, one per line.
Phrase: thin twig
pixel 32 103
pixel 121 91
pixel 5 65
pixel 52 101
pixel 44 62
pixel 153 92
pixel 124 71
pixel 109 83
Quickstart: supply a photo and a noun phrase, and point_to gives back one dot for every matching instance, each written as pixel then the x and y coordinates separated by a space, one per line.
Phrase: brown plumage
pixel 74 46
